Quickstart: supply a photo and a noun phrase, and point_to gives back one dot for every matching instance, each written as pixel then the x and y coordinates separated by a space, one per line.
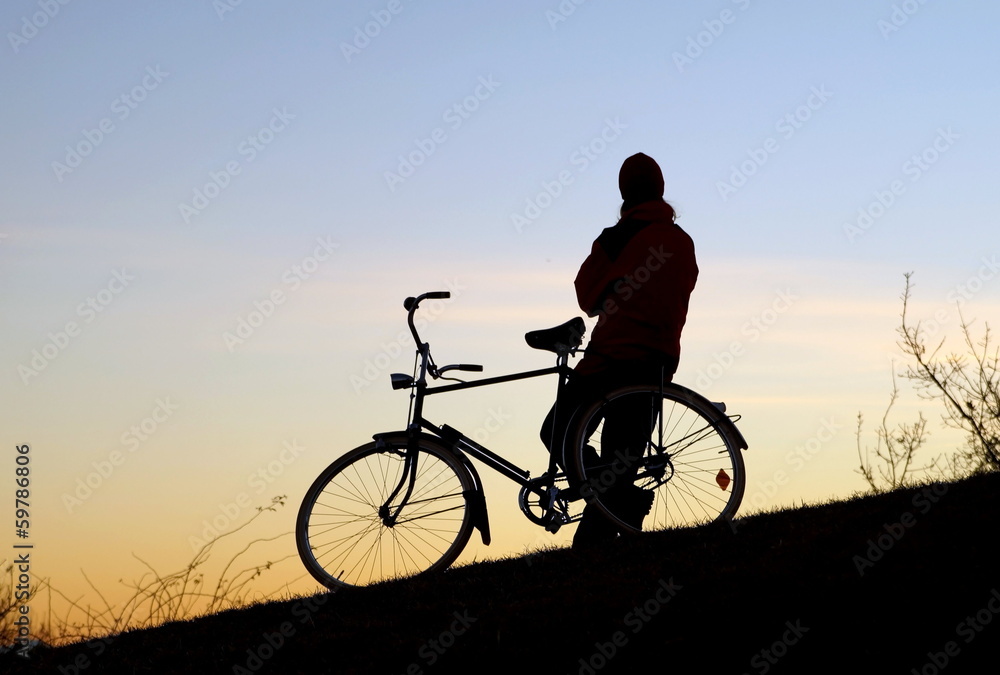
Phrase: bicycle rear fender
pixel 716 413
pixel 720 417
pixel 476 499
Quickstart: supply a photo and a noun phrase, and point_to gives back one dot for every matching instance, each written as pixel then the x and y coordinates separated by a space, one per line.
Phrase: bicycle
pixel 407 502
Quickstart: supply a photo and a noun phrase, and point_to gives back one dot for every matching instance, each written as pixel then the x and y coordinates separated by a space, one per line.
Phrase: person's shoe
pixel 632 505
pixel 594 530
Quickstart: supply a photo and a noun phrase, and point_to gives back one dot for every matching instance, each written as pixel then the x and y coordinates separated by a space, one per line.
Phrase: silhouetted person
pixel 637 281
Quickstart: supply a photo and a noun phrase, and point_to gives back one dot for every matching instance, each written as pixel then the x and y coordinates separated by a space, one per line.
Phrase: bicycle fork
pixel 408 478
pixel 475 498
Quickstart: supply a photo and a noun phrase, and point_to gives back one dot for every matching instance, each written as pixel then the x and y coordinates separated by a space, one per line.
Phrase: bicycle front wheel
pixel 349 534
pixel 669 450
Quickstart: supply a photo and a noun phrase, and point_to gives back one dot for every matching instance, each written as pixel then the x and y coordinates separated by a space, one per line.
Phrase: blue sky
pixel 818 108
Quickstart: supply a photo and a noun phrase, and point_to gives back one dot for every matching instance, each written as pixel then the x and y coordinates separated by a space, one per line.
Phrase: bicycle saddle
pixel 560 339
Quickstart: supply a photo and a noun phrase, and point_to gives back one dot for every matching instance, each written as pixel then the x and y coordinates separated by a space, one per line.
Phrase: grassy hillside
pixel 891 583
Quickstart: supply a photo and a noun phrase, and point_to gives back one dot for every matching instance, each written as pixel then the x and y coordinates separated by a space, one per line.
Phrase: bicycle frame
pixel 460 444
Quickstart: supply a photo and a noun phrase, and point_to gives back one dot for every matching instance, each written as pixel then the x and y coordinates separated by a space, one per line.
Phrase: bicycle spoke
pixel 429 515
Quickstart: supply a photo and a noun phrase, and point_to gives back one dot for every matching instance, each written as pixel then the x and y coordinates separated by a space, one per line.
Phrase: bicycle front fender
pixel 476 498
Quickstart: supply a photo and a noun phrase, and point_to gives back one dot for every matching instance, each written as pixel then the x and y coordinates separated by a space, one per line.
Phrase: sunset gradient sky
pixel 212 212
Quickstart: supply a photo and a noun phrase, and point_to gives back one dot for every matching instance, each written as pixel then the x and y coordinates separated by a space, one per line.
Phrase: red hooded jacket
pixel 637 280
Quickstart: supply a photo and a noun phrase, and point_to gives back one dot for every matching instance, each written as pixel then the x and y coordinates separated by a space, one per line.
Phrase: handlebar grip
pixel 470 367
pixel 433 295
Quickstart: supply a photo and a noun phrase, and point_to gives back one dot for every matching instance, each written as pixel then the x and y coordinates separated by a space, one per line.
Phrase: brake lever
pixel 468 367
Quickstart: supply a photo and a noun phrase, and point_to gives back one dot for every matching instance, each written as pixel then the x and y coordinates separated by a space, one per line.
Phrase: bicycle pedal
pixel 555 521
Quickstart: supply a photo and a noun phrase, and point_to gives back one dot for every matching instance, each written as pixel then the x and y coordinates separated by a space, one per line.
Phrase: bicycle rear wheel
pixel 344 532
pixel 675 452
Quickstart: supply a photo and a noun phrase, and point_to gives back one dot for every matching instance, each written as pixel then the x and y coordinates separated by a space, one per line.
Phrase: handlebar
pixel 410 305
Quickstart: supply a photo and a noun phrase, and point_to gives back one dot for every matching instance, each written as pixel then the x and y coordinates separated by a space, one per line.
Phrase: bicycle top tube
pixel 426 365
pixel 441 389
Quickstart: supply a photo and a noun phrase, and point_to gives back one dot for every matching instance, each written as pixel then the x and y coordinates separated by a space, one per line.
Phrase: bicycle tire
pixel 695 469
pixel 344 542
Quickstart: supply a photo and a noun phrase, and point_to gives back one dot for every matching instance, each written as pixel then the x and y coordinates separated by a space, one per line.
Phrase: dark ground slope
pixel 887 584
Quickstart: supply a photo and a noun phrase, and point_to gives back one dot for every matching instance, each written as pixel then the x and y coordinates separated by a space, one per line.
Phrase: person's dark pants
pixel 627 425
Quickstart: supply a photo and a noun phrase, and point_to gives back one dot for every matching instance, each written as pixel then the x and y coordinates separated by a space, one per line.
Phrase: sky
pixel 213 210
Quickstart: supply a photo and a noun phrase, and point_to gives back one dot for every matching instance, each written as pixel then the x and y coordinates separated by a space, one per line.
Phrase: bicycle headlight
pixel 401 380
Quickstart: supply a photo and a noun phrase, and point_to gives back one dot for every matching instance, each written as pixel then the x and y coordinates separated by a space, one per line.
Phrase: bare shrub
pixel 967 384
pixel 156 598
pixel 891 463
